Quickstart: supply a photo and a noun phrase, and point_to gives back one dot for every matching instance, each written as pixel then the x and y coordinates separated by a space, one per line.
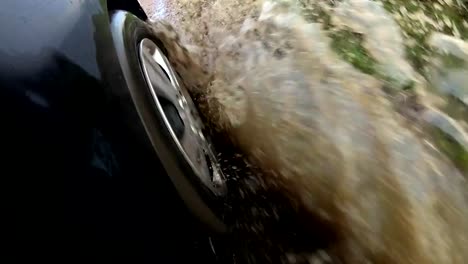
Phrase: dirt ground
pixel 148 5
pixel 156 8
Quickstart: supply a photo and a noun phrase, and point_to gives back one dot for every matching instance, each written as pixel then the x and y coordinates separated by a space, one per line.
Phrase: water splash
pixel 356 154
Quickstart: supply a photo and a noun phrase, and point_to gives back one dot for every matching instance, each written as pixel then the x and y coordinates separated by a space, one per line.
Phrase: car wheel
pixel 170 118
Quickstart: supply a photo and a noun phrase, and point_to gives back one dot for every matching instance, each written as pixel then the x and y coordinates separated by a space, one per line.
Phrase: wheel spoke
pixel 181 116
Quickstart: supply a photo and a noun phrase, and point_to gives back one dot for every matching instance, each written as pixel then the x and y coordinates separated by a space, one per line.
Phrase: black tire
pixel 127 31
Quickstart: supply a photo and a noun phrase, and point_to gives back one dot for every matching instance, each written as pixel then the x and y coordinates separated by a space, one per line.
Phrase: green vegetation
pixel 454 151
pixel 451 62
pixel 417 19
pixel 347 44
pixel 349 47
pixel 450 18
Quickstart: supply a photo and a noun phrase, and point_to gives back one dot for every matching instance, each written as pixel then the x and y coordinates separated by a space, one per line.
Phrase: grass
pixel 450 19
pixel 452 149
pixel 452 62
pixel 347 44
pixel 453 18
pixel 349 47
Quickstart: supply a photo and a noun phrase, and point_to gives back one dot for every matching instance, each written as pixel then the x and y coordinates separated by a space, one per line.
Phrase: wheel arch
pixel 132 6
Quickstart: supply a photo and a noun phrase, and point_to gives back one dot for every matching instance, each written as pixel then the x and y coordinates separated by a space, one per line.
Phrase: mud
pixel 337 165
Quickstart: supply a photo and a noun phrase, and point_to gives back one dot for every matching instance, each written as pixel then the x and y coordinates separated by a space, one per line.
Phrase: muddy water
pixel 375 162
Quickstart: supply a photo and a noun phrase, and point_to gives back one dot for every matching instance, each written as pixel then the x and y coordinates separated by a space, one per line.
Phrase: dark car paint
pixel 76 160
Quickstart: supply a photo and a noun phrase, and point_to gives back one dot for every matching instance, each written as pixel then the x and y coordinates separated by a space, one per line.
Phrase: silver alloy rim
pixel 180 116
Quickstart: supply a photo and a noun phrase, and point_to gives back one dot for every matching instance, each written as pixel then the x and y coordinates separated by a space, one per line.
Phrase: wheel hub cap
pixel 180 116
